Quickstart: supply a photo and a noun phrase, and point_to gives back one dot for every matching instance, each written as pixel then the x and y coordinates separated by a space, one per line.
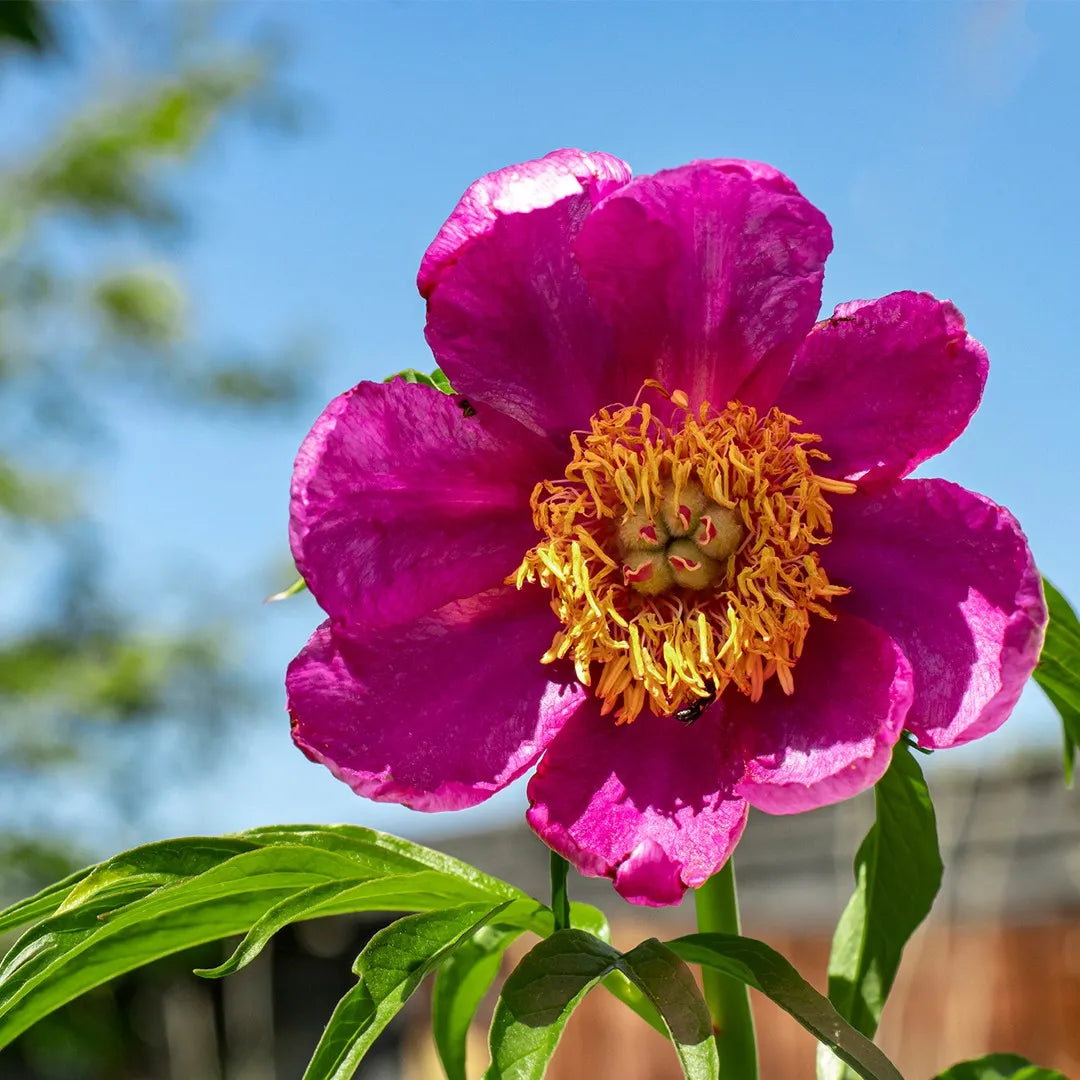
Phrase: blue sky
pixel 939 139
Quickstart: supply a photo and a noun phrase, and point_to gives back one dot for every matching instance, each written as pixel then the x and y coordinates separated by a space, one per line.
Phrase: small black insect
pixel 689 713
pixel 466 407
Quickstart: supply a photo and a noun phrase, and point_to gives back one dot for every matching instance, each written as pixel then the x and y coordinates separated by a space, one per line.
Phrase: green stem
pixel 560 898
pixel 727 998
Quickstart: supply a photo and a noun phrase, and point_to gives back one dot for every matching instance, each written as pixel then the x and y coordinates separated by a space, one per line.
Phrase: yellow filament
pixel 669 649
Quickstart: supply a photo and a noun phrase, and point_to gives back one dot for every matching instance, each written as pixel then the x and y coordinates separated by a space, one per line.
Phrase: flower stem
pixel 727 998
pixel 560 898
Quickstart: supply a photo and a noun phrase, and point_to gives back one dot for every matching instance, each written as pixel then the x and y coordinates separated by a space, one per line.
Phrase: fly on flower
pixel 675 495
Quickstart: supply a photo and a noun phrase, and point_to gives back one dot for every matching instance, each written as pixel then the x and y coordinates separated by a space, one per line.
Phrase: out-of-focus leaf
pixel 897 873
pixel 26 22
pixel 391 967
pixel 542 992
pixel 1058 672
pixel 145 304
pixel 26 495
pixel 251 384
pixel 764 969
pixel 103 676
pixel 101 164
pixel 999 1067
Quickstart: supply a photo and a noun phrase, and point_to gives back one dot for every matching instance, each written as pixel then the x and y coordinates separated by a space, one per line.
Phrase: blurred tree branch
pixel 82 663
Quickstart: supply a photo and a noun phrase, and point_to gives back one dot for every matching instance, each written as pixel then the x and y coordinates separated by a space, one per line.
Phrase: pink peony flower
pixel 661 541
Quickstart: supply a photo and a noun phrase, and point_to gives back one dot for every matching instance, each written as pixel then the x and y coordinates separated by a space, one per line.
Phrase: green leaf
pixel 1058 672
pixel 898 873
pixel 424 891
pixel 545 988
pixel 463 980
pixel 365 845
pixel 999 1067
pixel 158 899
pixel 41 905
pixel 590 919
pixel 437 380
pixel 764 969
pixel 669 985
pixel 143 304
pixel 391 967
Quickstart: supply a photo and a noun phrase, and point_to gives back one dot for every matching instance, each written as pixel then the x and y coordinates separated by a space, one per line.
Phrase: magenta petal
pixel 650 804
pixel 437 714
pixel 517 189
pixel 510 319
pixel 949 575
pixel 401 503
pixel 886 383
pixel 710 275
pixel 834 736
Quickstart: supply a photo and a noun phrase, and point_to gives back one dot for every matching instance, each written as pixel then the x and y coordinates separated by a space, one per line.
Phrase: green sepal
pixel 437 380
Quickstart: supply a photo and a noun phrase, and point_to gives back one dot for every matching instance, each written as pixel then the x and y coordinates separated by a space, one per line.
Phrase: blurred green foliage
pixel 85 675
pixel 25 24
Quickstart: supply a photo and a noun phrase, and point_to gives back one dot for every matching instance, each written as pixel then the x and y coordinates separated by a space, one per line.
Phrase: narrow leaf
pixel 538 998
pixel 542 992
pixel 41 905
pixel 159 899
pixel 999 1067
pixel 669 985
pixel 368 846
pixel 764 969
pixel 1058 672
pixel 423 891
pixel 391 967
pixel 463 980
pixel 898 873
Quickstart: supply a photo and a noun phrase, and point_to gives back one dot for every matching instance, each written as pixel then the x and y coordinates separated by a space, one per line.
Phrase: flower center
pixel 681 556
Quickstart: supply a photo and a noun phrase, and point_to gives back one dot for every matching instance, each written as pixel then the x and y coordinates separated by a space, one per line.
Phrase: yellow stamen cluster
pixel 722 512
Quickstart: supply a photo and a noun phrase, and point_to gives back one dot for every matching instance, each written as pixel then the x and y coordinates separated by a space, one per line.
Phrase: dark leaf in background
pixel 26 23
